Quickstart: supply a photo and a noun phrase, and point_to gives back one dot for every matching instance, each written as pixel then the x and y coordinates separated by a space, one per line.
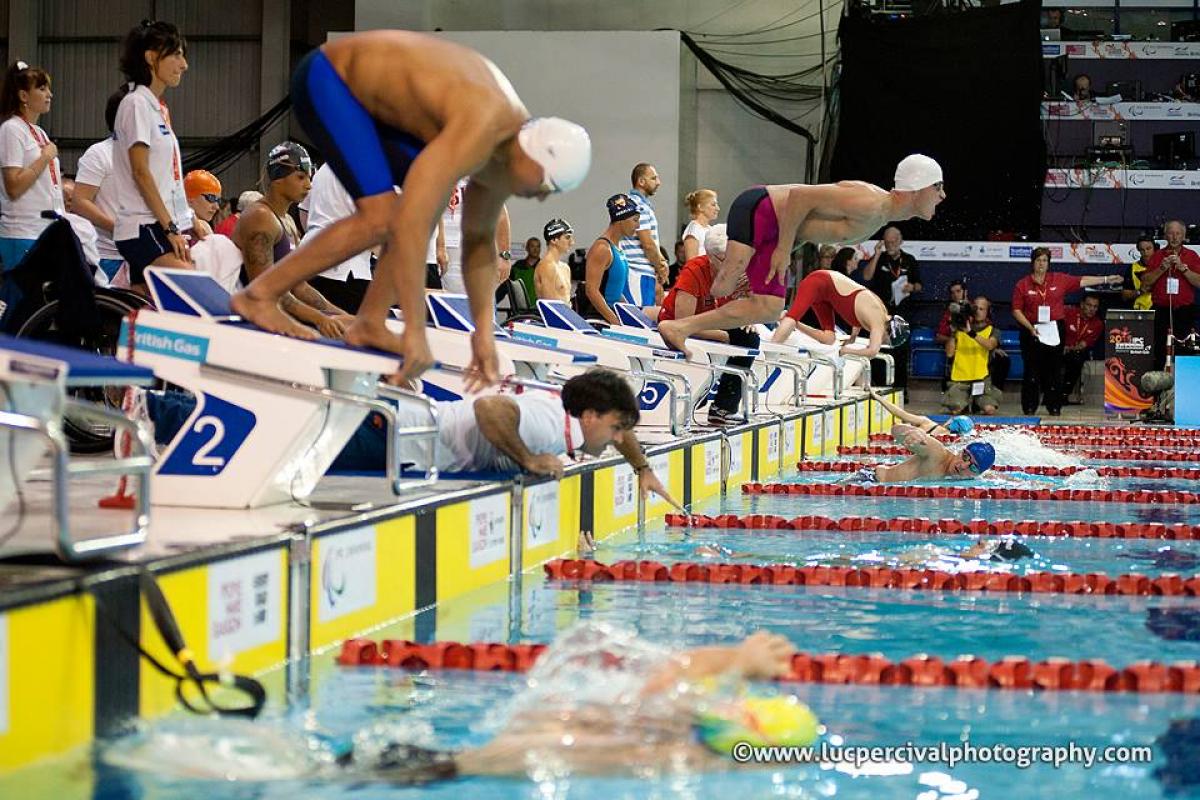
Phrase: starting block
pixel 34 378
pixel 272 413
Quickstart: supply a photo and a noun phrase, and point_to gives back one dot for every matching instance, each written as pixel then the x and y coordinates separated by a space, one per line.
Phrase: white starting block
pixel 272 413
pixel 34 378
pixel 522 362
pixel 637 327
pixel 655 374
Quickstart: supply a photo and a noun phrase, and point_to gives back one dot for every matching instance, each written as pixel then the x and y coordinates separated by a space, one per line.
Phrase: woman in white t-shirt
pixel 702 205
pixel 29 160
pixel 95 198
pixel 153 215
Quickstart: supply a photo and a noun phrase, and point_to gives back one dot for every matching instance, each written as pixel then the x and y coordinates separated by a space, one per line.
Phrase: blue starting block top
pixel 84 368
pixel 453 312
pixel 634 317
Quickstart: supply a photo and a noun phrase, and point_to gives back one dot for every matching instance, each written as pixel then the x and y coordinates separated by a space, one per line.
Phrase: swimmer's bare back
pixel 419 83
pixel 847 212
pixel 584 753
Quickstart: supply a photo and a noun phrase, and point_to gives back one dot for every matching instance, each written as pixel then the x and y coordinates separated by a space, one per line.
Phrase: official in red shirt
pixel 1083 328
pixel 691 295
pixel 1038 307
pixel 1173 274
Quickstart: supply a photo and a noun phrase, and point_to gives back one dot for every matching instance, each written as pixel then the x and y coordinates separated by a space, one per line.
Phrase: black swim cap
pixel 1011 550
pixel 405 765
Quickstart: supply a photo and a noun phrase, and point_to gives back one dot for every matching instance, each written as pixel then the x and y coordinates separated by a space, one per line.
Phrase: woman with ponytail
pixel 28 160
pixel 153 215
pixel 704 210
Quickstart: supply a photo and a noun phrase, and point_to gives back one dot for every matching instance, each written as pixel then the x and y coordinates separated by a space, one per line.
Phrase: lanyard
pixel 174 146
pixel 42 142
pixel 567 436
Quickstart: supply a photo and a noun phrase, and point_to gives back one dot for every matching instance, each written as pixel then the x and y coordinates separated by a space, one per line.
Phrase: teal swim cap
pixel 960 425
pixel 981 455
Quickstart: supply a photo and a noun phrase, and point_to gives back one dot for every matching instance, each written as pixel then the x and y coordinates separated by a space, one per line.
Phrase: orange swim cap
pixel 201 181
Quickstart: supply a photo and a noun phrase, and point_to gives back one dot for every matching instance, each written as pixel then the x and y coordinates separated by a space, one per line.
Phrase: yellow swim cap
pixel 761 721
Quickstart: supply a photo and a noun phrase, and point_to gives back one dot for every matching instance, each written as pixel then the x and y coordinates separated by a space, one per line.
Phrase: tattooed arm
pixel 256 233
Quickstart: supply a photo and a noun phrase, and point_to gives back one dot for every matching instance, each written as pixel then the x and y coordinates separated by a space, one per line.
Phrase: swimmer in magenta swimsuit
pixel 767 222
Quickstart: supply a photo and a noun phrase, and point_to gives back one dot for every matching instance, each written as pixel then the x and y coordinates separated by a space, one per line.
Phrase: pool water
pixel 461 710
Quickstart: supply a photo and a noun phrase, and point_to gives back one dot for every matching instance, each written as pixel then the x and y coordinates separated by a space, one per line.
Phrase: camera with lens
pixel 960 316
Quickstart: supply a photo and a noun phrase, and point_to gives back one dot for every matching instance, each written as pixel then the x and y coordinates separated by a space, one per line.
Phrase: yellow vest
pixel 1142 301
pixel 970 357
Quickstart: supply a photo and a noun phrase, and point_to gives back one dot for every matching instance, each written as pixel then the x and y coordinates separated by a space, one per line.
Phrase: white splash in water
pixel 1021 448
pixel 1085 479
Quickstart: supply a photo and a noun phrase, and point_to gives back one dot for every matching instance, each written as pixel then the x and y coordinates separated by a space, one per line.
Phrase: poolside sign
pixel 1128 354
pixel 541 525
pixel 489 524
pixel 347 569
pixel 244 602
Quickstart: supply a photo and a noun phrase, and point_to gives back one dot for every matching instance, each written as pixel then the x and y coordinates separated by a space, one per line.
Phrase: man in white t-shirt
pixel 343 284
pixel 95 194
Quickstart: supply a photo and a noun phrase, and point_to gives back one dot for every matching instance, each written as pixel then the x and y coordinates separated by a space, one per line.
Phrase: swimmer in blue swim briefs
pixel 396 108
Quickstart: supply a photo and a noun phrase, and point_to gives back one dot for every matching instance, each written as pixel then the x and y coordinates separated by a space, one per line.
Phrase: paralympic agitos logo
pixel 333 577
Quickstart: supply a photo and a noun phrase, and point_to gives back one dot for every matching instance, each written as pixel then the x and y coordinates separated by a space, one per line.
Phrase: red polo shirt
pixel 1082 331
pixel 696 279
pixel 1158 293
pixel 1027 295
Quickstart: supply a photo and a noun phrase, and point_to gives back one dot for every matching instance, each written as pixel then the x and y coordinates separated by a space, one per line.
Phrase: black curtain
pixel 964 88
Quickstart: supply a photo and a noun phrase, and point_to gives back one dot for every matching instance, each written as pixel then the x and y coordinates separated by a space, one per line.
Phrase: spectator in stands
pixel 1082 88
pixel 95 198
pixel 957 294
pixel 244 201
pixel 1135 292
pixel 825 256
pixel 28 160
pixel 1172 274
pixel 1083 329
pixel 522 271
pixel 894 276
pixel 264 238
pixel 1054 18
pixel 153 214
pixel 970 347
pixel 704 209
pixel 607 272
pixel 203 191
pixel 691 295
pixel 677 266
pixel 845 261
pixel 648 271
pixel 1038 306
pixel 552 278
pixel 344 284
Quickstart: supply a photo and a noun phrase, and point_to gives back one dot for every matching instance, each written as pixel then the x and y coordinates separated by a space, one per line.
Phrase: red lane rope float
pixel 966 672
pixel 1139 431
pixel 1123 454
pixel 1105 472
pixel 976 493
pixel 1158 438
pixel 874 578
pixel 938 527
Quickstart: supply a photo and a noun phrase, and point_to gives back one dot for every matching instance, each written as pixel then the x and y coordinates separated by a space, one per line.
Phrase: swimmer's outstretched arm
pixel 760 656
pixel 896 411
pixel 917 442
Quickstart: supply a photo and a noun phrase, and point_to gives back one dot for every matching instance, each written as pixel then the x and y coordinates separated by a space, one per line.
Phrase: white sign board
pixel 245 600
pixel 348 570
pixel 489 528
pixel 712 461
pixel 789 440
pixel 541 521
pixel 736 443
pixel 624 491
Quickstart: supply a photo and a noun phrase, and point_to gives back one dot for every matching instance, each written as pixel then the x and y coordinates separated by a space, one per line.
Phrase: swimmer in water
pixel 955 426
pixel 930 556
pixel 600 701
pixel 930 459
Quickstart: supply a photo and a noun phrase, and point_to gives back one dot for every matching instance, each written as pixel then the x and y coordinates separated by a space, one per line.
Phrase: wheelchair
pixel 54 298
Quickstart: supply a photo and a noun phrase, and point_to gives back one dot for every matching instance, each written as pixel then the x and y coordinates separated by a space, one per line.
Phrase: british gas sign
pixel 166 343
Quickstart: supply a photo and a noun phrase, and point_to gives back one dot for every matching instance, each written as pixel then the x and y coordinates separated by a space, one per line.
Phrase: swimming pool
pixel 460 709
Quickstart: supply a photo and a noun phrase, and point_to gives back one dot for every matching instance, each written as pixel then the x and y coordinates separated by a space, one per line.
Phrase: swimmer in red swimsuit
pixel 767 222
pixel 828 294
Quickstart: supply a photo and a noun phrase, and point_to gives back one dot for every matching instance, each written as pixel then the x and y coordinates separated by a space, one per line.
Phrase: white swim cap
pixel 562 148
pixel 917 172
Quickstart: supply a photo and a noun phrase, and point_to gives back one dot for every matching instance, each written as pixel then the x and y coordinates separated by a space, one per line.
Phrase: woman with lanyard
pixel 153 213
pixel 32 180
pixel 1038 307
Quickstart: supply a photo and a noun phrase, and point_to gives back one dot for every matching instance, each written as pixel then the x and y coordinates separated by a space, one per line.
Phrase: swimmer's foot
pixel 375 334
pixel 673 337
pixel 266 314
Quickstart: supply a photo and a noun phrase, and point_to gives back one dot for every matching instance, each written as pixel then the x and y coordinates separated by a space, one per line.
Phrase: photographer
pixel 970 347
pixel 957 292
pixel 1171 275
